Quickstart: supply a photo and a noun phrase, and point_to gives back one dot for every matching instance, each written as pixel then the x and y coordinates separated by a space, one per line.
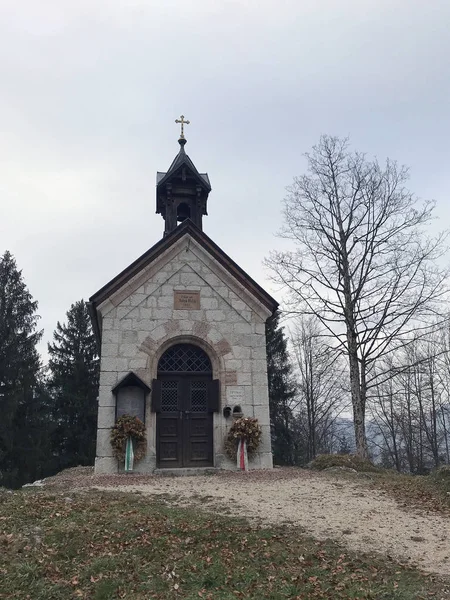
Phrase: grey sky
pixel 90 92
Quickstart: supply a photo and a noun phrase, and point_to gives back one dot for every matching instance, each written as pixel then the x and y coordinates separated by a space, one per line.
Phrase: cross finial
pixel 183 123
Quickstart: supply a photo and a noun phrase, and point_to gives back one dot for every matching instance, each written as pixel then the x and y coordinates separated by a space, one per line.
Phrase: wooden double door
pixel 184 406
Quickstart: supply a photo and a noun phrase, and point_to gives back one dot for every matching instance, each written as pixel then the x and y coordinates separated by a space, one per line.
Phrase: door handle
pixel 187 413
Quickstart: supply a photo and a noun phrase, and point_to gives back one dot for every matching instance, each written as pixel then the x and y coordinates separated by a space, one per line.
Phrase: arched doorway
pixel 185 397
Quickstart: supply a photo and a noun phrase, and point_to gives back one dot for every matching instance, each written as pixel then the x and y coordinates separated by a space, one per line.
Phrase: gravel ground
pixel 346 511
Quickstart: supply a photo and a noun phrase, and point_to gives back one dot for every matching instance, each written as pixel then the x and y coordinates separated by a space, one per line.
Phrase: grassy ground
pixel 415 491
pixel 103 546
pixel 428 492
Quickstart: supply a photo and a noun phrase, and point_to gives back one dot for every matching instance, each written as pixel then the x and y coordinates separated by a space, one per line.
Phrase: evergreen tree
pixel 281 392
pixel 344 445
pixel 73 384
pixel 33 456
pixel 21 437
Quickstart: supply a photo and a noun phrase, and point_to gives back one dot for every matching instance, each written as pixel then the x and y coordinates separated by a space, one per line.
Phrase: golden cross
pixel 183 123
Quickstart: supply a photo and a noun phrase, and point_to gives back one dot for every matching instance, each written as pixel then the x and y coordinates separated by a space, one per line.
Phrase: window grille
pixel 169 396
pixel 199 399
pixel 184 358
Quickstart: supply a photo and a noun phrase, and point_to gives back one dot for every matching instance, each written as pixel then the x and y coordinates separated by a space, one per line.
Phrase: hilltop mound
pixel 345 461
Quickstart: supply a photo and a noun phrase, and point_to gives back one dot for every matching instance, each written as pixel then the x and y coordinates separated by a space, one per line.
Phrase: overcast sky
pixel 90 91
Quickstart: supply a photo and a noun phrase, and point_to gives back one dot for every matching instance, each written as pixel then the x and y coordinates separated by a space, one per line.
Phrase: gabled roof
pixel 180 160
pixel 131 380
pixel 187 227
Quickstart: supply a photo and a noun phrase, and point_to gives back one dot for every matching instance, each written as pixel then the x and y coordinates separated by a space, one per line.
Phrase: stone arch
pixel 200 333
pixel 217 362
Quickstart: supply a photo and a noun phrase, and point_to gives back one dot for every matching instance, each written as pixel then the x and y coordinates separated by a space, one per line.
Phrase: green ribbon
pixel 129 456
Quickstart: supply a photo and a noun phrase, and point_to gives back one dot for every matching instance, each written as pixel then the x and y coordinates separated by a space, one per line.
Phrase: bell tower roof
pixel 182 192
pixel 180 160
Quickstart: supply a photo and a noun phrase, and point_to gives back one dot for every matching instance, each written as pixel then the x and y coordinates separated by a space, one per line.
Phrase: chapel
pixel 182 342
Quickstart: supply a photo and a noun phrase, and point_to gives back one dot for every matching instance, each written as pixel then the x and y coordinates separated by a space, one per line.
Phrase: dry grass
pixel 420 492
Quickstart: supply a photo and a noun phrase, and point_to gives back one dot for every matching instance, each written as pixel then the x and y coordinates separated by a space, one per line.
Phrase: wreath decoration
pixel 246 428
pixel 127 426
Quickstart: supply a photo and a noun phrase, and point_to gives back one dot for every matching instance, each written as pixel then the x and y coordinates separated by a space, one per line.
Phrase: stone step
pixel 186 472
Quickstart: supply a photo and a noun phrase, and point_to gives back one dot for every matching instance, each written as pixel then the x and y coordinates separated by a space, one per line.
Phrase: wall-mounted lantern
pixel 131 393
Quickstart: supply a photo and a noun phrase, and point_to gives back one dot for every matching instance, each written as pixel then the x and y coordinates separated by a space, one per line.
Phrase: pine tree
pixel 344 445
pixel 281 392
pixel 33 426
pixel 73 384
pixel 20 434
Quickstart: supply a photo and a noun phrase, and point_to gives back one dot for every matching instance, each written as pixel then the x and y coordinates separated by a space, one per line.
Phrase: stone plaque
pixel 235 395
pixel 186 300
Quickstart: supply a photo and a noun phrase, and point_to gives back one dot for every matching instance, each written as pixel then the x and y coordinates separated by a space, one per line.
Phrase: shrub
pixel 350 461
pixel 441 475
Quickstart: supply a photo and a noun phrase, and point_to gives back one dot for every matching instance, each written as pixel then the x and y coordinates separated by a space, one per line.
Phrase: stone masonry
pixel 139 323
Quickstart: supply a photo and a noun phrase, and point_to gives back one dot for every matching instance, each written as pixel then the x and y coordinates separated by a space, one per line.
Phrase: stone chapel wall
pixel 139 323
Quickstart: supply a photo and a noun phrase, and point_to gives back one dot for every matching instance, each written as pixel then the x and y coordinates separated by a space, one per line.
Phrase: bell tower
pixel 182 192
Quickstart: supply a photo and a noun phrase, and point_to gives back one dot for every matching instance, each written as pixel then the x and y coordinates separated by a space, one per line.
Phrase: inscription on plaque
pixel 235 395
pixel 186 300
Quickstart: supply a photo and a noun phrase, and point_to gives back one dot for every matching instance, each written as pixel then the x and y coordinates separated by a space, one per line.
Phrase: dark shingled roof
pixel 131 380
pixel 182 159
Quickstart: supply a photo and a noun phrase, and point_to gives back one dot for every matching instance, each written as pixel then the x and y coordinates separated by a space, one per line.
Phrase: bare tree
pixel 410 407
pixel 321 396
pixel 386 409
pixel 362 262
pixel 444 377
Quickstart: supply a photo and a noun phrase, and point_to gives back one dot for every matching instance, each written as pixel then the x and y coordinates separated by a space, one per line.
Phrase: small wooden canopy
pixel 131 380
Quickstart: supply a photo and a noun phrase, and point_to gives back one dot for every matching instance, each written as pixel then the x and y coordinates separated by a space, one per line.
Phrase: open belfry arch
pixel 181 333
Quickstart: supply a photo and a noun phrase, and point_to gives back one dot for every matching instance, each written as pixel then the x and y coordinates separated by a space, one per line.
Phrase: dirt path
pixel 361 519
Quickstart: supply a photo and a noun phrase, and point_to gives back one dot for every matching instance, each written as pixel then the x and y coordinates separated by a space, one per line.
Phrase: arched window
pixel 184 358
pixel 183 212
